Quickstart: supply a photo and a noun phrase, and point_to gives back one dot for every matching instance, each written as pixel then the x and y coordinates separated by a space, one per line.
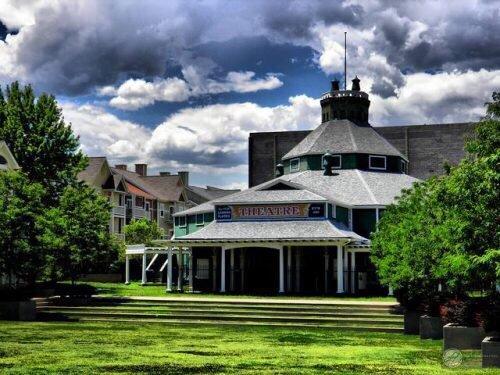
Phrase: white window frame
pixel 298 165
pixel 185 221
pixel 377 168
pixel 161 209
pixel 203 219
pixel 335 156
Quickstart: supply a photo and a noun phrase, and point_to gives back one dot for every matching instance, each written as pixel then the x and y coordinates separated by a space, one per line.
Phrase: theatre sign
pixel 270 212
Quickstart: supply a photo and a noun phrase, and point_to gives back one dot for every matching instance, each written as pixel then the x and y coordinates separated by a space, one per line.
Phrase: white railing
pixel 118 211
pixel 344 93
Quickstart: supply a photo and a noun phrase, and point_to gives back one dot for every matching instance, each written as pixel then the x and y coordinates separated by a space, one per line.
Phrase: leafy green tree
pixel 142 231
pixel 21 207
pixel 445 230
pixel 77 232
pixel 42 143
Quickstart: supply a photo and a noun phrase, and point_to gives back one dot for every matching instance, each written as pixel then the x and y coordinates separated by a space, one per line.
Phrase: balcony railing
pixel 138 212
pixel 118 211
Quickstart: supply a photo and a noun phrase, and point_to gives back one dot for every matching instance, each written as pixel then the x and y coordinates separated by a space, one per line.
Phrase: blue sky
pixel 181 84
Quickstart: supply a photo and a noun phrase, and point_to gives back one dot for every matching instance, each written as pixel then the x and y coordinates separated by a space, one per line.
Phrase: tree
pixel 142 231
pixel 43 145
pixel 21 207
pixel 445 230
pixel 77 231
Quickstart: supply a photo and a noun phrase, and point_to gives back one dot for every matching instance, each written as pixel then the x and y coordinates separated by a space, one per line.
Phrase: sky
pixel 179 85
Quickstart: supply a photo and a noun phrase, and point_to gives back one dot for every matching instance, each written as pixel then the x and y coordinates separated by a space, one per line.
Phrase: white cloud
pixel 437 98
pixel 102 133
pixel 138 93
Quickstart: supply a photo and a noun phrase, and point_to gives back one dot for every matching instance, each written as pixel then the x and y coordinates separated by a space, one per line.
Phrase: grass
pixel 136 289
pixel 120 348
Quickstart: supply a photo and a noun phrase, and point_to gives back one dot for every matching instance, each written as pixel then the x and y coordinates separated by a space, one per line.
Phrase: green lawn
pixel 136 289
pixel 84 348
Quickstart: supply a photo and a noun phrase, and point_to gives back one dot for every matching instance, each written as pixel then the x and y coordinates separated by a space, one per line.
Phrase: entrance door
pixel 261 270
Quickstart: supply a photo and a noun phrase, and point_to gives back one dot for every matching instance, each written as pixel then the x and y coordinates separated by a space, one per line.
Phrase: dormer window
pixel 377 162
pixel 295 165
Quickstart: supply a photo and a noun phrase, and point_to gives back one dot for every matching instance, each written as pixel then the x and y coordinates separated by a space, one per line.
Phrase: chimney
pixel 164 173
pixel 141 169
pixel 335 85
pixel 184 175
pixel 122 167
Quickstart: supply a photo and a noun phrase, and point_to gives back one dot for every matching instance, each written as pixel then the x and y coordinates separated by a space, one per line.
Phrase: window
pixel 139 201
pixel 120 200
pixel 377 162
pixel 182 221
pixel 404 166
pixel 202 268
pixel 176 221
pixel 171 210
pixel 199 219
pixel 332 208
pixel 128 202
pixel 295 165
pixel 147 206
pixel 336 162
pixel 162 210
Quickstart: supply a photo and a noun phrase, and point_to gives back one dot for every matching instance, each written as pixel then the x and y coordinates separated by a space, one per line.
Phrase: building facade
pixel 135 194
pixel 427 148
pixel 306 230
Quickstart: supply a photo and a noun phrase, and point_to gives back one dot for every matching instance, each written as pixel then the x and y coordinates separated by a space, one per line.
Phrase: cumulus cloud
pixel 213 136
pixel 217 135
pixel 103 134
pixel 138 93
pixel 437 98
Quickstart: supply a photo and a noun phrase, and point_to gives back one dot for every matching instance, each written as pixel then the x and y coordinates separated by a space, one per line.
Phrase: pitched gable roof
pixel 90 173
pixel 343 137
pixel 6 154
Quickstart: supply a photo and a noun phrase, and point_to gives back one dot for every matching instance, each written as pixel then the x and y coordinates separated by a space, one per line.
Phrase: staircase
pixel 375 317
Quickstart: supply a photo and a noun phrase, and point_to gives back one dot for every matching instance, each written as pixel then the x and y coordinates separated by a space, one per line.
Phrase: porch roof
pixel 261 231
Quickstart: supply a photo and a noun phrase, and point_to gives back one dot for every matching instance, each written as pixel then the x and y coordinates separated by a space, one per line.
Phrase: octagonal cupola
pixel 349 105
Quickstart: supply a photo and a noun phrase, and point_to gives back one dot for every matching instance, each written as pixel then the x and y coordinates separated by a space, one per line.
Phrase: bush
pixel 460 311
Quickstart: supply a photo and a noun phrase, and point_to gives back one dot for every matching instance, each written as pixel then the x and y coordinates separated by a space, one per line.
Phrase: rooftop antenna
pixel 345 60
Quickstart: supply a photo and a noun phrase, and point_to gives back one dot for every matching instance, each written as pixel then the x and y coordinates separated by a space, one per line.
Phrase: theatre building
pixel 308 229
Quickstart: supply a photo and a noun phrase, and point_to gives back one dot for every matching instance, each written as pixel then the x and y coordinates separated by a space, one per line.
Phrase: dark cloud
pixel 295 19
pixel 75 47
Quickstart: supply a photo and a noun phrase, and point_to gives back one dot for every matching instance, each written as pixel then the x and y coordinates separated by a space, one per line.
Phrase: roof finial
pixel 345 60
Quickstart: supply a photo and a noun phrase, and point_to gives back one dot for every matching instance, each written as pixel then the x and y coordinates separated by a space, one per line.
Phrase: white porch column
pixel 143 279
pixel 190 254
pixel 340 269
pixel 127 269
pixel 223 271
pixel 289 269
pixel 179 264
pixel 169 270
pixel 282 271
pixel 231 270
pixel 327 269
pixel 345 269
pixel 353 272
